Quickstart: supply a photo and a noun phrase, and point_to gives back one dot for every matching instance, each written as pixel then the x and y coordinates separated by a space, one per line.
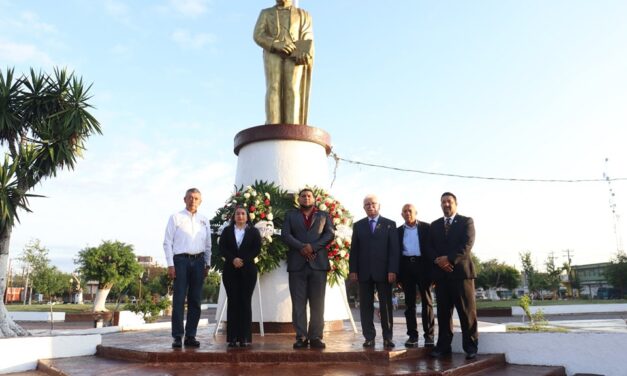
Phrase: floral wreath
pixel 267 204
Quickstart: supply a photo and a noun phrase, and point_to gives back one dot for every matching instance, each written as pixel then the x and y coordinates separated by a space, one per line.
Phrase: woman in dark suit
pixel 240 243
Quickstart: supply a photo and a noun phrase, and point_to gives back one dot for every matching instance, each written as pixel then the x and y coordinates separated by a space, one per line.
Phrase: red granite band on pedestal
pixel 282 132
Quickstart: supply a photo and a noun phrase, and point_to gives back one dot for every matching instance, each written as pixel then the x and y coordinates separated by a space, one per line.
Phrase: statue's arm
pixel 261 37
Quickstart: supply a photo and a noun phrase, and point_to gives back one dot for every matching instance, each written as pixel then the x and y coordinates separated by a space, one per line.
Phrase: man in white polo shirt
pixel 187 246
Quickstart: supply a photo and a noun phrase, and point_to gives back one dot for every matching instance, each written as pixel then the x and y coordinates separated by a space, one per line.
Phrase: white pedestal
pixel 290 164
pixel 276 304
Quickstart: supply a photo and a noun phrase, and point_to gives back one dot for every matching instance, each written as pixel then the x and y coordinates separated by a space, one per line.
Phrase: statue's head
pixel 284 3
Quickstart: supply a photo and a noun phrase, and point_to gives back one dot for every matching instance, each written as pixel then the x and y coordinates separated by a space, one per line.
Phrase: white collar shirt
pixel 411 240
pixel 187 233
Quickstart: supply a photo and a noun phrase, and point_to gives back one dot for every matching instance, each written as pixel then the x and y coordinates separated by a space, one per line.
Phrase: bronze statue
pixel 285 33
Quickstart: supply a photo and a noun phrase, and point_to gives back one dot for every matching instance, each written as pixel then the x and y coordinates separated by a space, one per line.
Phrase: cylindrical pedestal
pixel 275 304
pixel 291 156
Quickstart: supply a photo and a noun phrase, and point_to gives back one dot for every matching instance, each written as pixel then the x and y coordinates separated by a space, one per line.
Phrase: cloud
pixel 190 8
pixel 17 53
pixel 192 41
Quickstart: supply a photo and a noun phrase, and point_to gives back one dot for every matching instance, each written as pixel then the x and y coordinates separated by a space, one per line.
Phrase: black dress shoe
pixel 437 353
pixel 369 343
pixel 232 344
pixel 471 355
pixel 245 344
pixel 429 343
pixel 412 342
pixel 317 343
pixel 191 342
pixel 388 344
pixel 301 343
pixel 177 344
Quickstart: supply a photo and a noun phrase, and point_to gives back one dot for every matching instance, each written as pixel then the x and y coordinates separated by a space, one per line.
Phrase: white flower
pixel 322 207
pixel 234 202
pixel 343 253
pixel 245 205
pixel 336 221
pixel 248 188
pixel 268 195
pixel 223 216
pixel 256 260
pixel 338 212
pixel 246 195
pixel 251 215
pixel 253 193
pixel 270 217
pixel 266 229
pixel 343 231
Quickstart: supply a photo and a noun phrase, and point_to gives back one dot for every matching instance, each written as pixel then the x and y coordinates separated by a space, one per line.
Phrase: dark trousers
pixel 366 308
pixel 239 285
pixel 459 294
pixel 412 275
pixel 308 285
pixel 190 274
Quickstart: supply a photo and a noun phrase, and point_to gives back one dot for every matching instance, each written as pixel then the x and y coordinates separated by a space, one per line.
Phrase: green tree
pixel 35 259
pixel 52 282
pixel 616 272
pixel 44 123
pixel 496 274
pixel 111 263
pixel 529 272
pixel 553 272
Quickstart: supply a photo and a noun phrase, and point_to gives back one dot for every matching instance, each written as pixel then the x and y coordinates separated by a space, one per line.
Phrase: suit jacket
pixel 425 247
pixel 374 255
pixel 456 245
pixel 295 235
pixel 247 251
pixel 267 27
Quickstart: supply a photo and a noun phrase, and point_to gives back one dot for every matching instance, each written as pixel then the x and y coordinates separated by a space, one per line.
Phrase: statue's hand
pixel 284 48
pixel 303 59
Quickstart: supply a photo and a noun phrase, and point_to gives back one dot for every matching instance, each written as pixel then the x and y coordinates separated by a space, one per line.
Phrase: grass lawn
pixel 67 308
pixel 514 302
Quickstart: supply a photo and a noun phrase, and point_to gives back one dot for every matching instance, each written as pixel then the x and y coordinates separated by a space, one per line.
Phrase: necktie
pixel 447 225
pixel 372 225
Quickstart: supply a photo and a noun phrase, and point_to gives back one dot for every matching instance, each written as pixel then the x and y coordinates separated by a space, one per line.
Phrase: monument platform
pixel 149 353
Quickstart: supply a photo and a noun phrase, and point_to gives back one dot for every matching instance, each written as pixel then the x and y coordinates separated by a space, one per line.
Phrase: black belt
pixel 190 255
pixel 412 258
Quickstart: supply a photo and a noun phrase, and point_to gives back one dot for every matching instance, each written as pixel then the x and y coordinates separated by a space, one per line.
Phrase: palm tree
pixel 44 122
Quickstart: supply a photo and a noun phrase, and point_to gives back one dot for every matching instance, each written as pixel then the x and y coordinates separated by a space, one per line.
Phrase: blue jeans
pixel 190 275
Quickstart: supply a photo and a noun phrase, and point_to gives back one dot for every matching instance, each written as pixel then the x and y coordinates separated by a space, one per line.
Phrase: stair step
pixel 95 365
pixel 520 370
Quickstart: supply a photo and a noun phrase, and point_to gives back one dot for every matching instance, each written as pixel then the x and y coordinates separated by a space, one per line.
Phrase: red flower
pixel 237 194
pixel 251 209
pixel 266 202
pixel 262 215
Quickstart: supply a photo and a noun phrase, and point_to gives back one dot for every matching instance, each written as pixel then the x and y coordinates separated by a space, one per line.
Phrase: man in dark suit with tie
pixel 415 270
pixel 307 231
pixel 452 238
pixel 374 262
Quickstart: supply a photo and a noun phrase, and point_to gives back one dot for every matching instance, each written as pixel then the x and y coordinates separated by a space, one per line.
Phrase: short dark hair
pixel 191 190
pixel 449 194
pixel 306 190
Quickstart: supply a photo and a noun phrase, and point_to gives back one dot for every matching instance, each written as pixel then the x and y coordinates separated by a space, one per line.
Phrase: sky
pixel 531 89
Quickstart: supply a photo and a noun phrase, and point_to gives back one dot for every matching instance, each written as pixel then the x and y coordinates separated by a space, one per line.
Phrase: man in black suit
pixel 452 238
pixel 415 270
pixel 374 262
pixel 307 231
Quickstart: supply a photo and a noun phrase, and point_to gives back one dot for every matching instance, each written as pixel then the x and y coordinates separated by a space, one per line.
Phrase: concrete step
pixel 453 366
